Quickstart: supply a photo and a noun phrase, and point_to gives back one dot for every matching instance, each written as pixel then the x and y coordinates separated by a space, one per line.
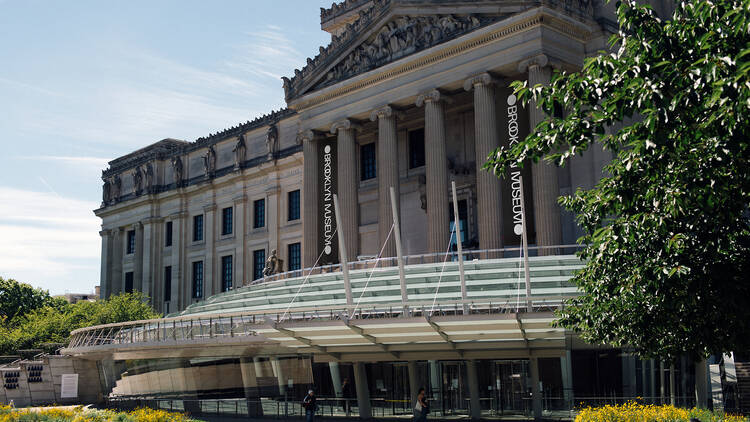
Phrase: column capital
pixel 240 199
pixel 344 124
pixel 539 60
pixel 209 208
pixel 105 232
pixel 385 111
pixel 305 135
pixel 432 96
pixel 481 79
pixel 151 220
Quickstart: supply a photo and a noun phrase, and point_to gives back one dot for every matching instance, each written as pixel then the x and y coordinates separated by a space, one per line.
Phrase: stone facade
pixel 422 85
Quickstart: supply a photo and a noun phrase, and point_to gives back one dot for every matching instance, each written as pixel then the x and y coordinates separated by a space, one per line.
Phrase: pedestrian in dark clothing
pixel 421 408
pixel 346 391
pixel 310 405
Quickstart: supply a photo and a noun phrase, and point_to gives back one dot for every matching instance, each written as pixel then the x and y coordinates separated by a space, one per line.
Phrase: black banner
pixel 328 243
pixel 513 125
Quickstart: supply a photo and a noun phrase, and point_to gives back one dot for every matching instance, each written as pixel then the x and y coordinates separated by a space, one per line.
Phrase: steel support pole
pixel 457 225
pixel 529 306
pixel 399 253
pixel 342 257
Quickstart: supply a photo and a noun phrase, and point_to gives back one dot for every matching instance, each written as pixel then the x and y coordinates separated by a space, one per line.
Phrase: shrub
pixel 634 412
pixel 79 414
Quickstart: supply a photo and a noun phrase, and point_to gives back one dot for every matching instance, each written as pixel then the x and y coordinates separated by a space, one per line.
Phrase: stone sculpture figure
pixel 149 178
pixel 239 151
pixel 177 167
pixel 106 192
pixel 116 185
pixel 138 180
pixel 274 265
pixel 209 161
pixel 272 138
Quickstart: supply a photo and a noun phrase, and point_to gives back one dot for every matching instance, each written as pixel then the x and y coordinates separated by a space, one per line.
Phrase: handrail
pixel 244 324
pixel 364 264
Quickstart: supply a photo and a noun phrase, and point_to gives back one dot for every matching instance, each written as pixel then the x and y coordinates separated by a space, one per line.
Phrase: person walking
pixel 421 408
pixel 310 405
pixel 346 391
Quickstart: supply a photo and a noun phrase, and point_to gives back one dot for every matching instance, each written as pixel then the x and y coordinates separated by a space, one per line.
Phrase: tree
pixel 17 299
pixel 51 324
pixel 667 231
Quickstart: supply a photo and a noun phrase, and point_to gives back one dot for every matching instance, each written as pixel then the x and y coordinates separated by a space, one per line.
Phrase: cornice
pixel 542 18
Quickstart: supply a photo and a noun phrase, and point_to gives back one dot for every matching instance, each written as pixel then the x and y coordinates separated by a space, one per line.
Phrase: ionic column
pixel 486 140
pixel 105 278
pixel 177 301
pixel 309 190
pixel 544 175
pixel 387 174
pixel 347 184
pixel 436 171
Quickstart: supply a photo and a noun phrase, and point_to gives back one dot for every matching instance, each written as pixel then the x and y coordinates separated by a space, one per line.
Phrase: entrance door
pixel 454 396
pixel 512 393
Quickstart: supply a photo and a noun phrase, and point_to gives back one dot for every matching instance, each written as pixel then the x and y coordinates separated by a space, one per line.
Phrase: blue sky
pixel 83 82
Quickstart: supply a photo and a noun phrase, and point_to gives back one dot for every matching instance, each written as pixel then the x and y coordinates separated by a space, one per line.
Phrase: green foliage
pixel 17 299
pixel 54 322
pixel 668 230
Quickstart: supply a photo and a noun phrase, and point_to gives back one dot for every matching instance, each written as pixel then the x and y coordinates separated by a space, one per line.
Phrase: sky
pixel 83 82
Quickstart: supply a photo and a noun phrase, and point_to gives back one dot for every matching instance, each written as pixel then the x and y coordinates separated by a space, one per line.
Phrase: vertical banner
pixel 513 125
pixel 327 187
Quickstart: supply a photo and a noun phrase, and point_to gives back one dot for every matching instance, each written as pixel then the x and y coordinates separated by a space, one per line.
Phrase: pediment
pixel 381 35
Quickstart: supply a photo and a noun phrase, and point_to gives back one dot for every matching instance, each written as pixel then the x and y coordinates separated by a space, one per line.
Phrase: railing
pixel 429 258
pixel 244 324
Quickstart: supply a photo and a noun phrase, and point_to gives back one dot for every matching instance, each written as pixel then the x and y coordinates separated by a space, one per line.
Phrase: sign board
pixel 513 127
pixel 69 386
pixel 327 187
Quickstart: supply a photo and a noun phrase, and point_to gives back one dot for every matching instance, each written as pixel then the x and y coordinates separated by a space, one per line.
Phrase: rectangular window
pixel 129 282
pixel 259 213
pixel 259 262
pixel 294 205
pixel 416 148
pixel 131 242
pixel 295 256
pixel 198 279
pixel 168 234
pixel 226 273
pixel 198 228
pixel 367 161
pixel 463 218
pixel 226 221
pixel 167 283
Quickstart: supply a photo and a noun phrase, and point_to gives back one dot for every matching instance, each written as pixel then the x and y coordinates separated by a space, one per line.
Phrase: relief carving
pixel 106 192
pixel 399 38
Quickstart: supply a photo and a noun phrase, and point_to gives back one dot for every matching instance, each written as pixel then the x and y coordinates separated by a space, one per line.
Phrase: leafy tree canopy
pixel 667 231
pixel 53 324
pixel 17 299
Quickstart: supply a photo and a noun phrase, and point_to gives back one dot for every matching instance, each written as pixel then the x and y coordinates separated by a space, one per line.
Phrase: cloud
pixel 268 53
pixel 97 162
pixel 49 240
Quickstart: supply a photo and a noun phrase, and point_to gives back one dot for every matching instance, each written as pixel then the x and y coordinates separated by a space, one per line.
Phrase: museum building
pixel 375 163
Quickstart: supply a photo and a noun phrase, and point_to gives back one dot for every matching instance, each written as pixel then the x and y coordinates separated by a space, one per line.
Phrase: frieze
pixel 341 8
